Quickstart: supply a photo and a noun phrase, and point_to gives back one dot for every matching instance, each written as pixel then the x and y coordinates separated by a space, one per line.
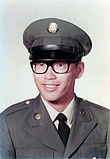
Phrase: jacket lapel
pixel 43 129
pixel 82 126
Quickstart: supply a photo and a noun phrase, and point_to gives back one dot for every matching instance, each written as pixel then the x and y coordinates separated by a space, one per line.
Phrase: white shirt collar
pixel 68 111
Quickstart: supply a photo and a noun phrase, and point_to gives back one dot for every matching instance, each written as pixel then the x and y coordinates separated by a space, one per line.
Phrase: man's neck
pixel 60 106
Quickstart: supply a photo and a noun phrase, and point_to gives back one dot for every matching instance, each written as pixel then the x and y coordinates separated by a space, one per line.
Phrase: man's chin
pixel 50 99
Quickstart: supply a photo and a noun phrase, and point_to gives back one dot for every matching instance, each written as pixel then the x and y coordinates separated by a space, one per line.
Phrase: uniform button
pixel 28 102
pixel 82 112
pixel 94 157
pixel 37 116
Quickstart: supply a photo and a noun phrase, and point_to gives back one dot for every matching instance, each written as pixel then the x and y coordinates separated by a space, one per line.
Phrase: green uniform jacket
pixel 25 135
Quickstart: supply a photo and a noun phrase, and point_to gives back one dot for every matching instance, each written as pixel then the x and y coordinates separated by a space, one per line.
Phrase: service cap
pixel 54 39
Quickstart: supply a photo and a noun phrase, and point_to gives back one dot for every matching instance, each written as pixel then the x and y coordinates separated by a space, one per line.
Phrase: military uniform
pixel 27 131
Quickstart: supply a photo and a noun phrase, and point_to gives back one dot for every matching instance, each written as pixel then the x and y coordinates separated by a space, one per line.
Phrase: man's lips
pixel 50 87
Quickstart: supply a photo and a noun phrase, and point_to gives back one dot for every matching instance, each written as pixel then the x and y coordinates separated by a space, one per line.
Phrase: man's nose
pixel 50 74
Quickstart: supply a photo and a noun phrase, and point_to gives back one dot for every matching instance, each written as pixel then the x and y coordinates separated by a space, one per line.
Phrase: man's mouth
pixel 50 87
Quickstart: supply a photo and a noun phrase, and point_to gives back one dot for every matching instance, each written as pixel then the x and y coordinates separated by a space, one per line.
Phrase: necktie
pixel 63 129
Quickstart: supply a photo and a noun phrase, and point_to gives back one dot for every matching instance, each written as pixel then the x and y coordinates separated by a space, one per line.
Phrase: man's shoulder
pixel 18 107
pixel 96 111
pixel 92 105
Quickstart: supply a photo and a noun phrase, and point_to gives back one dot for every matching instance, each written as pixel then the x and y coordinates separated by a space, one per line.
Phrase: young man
pixel 57 124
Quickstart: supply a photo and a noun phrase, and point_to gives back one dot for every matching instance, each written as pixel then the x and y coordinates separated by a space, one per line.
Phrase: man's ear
pixel 80 69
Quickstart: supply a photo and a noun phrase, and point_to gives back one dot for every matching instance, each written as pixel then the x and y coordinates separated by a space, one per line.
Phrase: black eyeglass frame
pixel 50 63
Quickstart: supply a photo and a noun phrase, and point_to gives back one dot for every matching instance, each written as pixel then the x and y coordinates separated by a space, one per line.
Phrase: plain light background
pixel 16 78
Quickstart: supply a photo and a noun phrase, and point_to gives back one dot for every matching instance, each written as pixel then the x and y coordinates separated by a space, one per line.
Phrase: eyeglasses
pixel 42 67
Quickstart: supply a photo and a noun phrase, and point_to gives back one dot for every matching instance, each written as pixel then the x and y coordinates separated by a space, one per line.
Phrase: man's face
pixel 58 87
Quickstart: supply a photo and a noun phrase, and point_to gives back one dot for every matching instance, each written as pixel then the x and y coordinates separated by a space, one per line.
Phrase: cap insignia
pixel 53 28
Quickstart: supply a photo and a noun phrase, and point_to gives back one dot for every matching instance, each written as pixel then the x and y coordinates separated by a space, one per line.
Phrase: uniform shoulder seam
pixel 91 104
pixel 17 107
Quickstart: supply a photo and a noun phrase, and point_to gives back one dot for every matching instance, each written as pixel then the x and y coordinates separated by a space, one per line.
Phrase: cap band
pixel 56 53
pixel 53 47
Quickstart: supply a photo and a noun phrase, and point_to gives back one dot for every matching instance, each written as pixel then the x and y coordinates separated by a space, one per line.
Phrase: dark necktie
pixel 63 129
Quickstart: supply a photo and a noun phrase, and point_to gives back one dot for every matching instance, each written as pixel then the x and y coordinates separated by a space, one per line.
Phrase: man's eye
pixel 60 65
pixel 40 64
